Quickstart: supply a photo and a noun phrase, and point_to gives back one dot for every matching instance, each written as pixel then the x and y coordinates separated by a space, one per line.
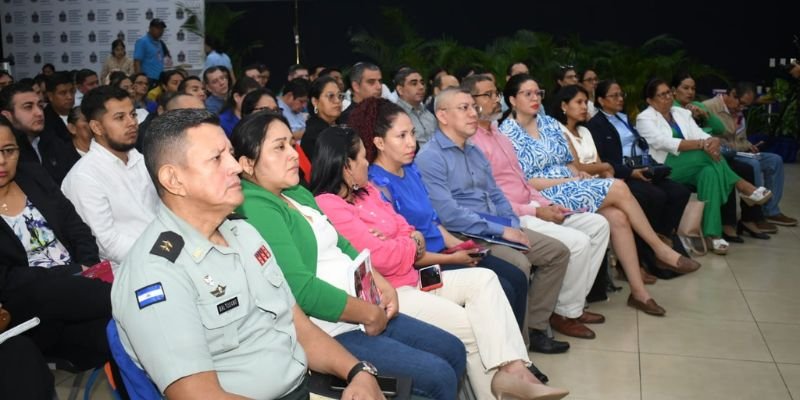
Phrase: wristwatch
pixel 362 366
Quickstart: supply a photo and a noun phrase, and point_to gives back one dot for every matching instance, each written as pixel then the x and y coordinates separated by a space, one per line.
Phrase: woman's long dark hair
pixel 336 145
pixel 248 135
pixel 252 98
pixel 511 90
pixel 565 95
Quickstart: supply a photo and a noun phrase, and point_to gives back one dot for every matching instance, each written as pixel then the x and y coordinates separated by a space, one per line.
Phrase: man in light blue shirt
pixel 148 53
pixel 293 102
pixel 215 55
pixel 463 192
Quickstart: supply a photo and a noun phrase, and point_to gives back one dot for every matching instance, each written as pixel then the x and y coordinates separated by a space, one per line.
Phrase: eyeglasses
pixel 620 95
pixel 492 95
pixel 275 110
pixel 332 96
pixel 528 94
pixel 465 107
pixel 10 153
pixel 664 95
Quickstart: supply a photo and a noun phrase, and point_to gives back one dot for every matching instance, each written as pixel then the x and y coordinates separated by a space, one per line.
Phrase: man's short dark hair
pixel 83 75
pixel 298 87
pixel 165 140
pixel 58 78
pixel 93 105
pixel 216 68
pixel 402 74
pixel 8 93
pixel 743 88
pixel 328 71
pixel 165 76
pixel 182 86
pixel 357 72
pixel 471 81
pixel 294 68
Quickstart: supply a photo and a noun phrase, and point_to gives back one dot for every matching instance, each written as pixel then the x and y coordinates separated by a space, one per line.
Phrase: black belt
pixel 299 393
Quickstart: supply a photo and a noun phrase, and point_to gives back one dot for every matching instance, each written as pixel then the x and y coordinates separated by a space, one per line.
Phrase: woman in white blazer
pixel 677 141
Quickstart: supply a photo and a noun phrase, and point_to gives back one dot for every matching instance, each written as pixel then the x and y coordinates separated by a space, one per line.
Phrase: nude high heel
pixel 506 385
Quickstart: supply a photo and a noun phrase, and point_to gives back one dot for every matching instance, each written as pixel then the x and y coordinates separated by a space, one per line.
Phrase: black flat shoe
pixel 732 239
pixel 743 228
pixel 541 343
pixel 538 374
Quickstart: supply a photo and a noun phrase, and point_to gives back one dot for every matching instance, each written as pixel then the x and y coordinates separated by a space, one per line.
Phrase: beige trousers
pixel 471 305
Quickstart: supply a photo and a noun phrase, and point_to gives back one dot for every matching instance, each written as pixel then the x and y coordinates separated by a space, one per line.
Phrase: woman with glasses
pixel 326 99
pixel 316 261
pixel 616 140
pixel 140 100
pixel 565 75
pixel 44 244
pixel 259 100
pixel 695 158
pixel 232 112
pixel 549 166
pixel 589 81
pixel 470 302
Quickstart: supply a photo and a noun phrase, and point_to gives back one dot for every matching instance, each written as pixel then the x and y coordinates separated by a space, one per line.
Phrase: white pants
pixel 471 305
pixel 586 236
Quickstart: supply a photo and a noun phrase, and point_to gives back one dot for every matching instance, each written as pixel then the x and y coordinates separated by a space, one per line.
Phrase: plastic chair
pixel 137 384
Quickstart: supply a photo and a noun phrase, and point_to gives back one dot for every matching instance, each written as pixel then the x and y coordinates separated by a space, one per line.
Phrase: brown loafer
pixel 685 265
pixel 650 307
pixel 570 327
pixel 589 317
pixel 766 227
pixel 782 220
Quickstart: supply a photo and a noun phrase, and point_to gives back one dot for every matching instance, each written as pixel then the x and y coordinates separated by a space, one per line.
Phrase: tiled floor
pixel 732 331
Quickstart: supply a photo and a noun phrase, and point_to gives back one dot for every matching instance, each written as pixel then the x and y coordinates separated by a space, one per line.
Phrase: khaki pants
pixel 472 306
pixel 586 237
pixel 551 257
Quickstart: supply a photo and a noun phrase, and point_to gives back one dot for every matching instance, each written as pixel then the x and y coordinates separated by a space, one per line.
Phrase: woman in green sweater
pixel 315 260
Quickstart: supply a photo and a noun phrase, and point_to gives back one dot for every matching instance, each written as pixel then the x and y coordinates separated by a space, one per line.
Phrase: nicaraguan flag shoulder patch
pixel 150 294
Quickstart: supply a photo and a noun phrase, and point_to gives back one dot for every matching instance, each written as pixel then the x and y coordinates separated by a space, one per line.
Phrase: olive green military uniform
pixel 184 305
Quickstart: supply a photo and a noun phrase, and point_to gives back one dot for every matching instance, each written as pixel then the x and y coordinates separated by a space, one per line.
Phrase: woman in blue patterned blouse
pixel 548 165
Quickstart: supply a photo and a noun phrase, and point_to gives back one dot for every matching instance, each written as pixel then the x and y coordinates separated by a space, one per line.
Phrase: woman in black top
pixel 327 101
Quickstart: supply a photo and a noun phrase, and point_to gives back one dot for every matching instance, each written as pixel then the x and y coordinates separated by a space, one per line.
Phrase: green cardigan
pixel 295 247
pixel 712 125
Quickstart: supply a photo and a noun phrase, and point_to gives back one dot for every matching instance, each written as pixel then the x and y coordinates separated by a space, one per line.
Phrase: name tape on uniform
pixel 228 305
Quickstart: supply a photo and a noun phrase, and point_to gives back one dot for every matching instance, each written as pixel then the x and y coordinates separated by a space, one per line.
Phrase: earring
pixel 563 111
pixel 356 187
pixel 315 110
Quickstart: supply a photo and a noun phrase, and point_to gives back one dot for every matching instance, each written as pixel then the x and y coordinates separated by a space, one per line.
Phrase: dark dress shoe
pixel 732 239
pixel 766 227
pixel 570 327
pixel 589 317
pixel 650 307
pixel 753 233
pixel 538 374
pixel 541 343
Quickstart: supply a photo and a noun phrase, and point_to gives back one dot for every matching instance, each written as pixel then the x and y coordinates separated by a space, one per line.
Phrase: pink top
pixel 507 172
pixel 392 256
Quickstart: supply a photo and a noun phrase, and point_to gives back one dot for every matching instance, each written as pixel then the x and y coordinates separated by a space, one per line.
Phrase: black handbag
pixel 653 170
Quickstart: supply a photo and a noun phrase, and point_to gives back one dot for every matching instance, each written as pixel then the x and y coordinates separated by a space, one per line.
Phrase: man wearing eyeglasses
pixel 466 197
pixel 23 107
pixel 411 91
pixel 585 234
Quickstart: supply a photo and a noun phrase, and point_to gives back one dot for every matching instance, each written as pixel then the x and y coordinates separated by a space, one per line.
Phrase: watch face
pixel 370 368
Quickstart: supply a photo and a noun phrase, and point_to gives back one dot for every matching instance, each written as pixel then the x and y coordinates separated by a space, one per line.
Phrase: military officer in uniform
pixel 200 302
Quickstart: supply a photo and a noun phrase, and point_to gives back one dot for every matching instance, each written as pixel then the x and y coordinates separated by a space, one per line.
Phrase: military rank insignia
pixel 263 255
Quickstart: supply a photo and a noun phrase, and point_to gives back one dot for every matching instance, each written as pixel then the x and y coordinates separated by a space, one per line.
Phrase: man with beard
pixel 109 186
pixel 411 91
pixel 23 107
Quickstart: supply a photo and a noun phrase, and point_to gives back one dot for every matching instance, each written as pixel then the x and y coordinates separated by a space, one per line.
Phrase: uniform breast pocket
pixel 274 297
pixel 221 318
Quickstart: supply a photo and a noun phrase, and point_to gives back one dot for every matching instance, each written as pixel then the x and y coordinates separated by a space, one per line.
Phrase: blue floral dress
pixel 548 158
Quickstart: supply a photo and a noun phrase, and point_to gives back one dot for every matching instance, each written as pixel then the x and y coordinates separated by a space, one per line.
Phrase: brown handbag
pixel 690 229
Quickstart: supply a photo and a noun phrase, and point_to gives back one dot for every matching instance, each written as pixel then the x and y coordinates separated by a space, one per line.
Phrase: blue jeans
pixel 434 359
pixel 768 170
pixel 512 279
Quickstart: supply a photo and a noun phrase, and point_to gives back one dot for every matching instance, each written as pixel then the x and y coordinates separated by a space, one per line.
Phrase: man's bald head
pixel 184 101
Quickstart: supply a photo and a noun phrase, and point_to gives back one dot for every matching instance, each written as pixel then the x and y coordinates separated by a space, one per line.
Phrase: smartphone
pixel 387 384
pixel 481 253
pixel 430 278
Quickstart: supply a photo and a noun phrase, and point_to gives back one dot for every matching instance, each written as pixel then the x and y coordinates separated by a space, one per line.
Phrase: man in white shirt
pixel 109 186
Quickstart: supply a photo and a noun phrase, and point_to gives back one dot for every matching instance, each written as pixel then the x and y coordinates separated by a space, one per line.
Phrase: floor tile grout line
pixel 760 331
pixel 639 357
